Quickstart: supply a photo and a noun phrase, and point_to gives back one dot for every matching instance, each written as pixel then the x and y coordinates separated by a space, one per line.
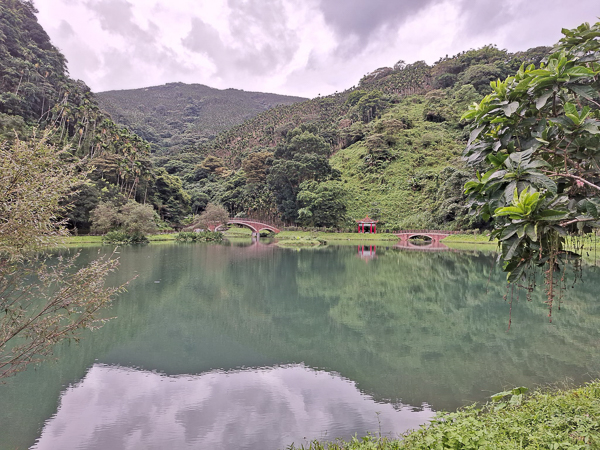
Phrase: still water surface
pixel 254 347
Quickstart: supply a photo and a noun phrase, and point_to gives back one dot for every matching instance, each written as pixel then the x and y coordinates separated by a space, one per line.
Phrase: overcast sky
pixel 295 47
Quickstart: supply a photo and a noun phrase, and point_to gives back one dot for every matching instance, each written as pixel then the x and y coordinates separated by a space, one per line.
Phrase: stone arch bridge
pixel 254 225
pixel 434 235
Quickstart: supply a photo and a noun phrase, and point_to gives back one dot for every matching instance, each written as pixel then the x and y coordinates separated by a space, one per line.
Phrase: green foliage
pixel 213 164
pixel 537 139
pixel 321 204
pixel 394 171
pixel 41 303
pixel 33 182
pixel 122 237
pixel 396 153
pixel 12 126
pixel 480 66
pixel 566 419
pixel 366 443
pixel 303 158
pixel 201 236
pixel 389 138
pixel 80 203
pixel 213 216
pixel 138 218
pixel 132 218
pixel 563 419
pixel 255 166
pixel 166 193
pixel 370 106
pixel 176 116
pixel 448 105
pixel 37 93
pixel 450 205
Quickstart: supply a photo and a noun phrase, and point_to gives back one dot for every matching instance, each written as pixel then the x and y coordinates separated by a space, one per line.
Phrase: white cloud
pixel 285 46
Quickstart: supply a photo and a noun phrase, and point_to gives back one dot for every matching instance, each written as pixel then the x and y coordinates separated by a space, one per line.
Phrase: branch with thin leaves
pixel 574 177
pixel 43 306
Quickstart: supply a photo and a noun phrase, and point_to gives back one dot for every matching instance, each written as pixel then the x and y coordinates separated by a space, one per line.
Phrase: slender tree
pixel 42 302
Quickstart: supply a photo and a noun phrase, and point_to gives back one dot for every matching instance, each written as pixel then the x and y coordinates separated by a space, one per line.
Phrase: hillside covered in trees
pixel 389 147
pixel 173 116
pixel 37 95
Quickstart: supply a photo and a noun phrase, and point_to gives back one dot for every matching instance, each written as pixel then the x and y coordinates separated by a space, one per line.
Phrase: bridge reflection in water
pixel 431 245
pixel 369 252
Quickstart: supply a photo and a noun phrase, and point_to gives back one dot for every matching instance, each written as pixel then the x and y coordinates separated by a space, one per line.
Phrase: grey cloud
pixel 361 19
pixel 116 16
pixel 143 46
pixel 263 43
pixel 65 30
pixel 82 58
pixel 523 23
pixel 205 39
pixel 485 16
pixel 129 66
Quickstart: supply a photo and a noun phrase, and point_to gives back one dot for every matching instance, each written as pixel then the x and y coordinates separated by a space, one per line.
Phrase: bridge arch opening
pixel 254 226
pixel 421 240
pixel 245 225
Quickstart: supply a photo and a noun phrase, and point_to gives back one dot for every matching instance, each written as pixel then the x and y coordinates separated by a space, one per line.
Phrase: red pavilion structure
pixel 367 225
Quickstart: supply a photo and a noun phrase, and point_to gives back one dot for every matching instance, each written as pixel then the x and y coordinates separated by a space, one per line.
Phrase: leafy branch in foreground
pixel 537 139
pixel 41 302
pixel 42 306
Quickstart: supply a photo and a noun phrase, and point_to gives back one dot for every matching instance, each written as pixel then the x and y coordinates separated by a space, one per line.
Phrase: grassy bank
pixel 469 239
pixel 237 232
pixel 300 242
pixel 559 419
pixel 77 240
pixel 336 236
pixel 587 246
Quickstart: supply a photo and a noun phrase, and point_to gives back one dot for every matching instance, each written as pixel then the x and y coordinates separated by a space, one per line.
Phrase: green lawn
pixel 238 232
pixel 336 236
pixel 469 239
pixel 77 240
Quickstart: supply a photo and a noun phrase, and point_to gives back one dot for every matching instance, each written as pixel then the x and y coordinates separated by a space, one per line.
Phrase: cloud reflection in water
pixel 122 408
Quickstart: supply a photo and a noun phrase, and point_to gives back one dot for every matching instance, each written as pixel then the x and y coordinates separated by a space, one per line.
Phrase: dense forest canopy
pixel 37 93
pixel 177 115
pixel 389 147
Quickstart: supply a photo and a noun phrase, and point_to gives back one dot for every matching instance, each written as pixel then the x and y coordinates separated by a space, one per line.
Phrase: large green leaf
pixel 552 215
pixel 540 180
pixel 510 109
pixel 585 91
pixel 579 71
pixel 541 101
pixel 513 248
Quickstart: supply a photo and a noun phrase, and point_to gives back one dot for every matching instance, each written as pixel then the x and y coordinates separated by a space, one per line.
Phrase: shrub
pixel 121 237
pixel 133 218
pixel 202 236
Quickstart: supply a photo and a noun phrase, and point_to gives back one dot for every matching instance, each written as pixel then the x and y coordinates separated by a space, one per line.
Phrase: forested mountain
pixel 389 147
pixel 177 115
pixel 36 93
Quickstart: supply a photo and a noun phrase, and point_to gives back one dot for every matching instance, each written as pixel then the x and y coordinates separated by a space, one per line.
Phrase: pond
pixel 249 346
